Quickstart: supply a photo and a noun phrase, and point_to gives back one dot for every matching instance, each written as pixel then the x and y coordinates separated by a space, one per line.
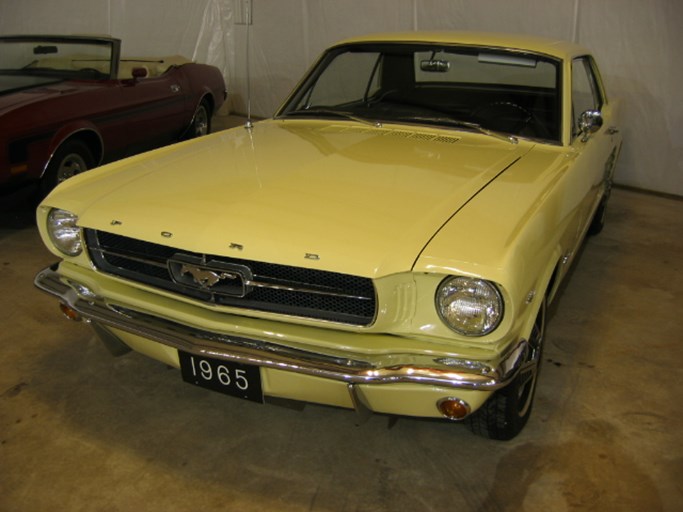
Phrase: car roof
pixel 553 47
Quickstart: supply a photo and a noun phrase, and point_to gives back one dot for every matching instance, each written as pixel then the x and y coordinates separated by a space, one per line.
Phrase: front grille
pixel 261 286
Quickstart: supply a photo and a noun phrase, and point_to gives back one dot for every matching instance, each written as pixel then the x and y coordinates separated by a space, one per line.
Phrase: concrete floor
pixel 83 431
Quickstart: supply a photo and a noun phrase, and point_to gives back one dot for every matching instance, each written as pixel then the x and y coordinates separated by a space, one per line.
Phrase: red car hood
pixel 17 91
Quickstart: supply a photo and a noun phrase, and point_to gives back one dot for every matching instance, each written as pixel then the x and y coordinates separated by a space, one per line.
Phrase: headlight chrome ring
pixel 62 226
pixel 469 306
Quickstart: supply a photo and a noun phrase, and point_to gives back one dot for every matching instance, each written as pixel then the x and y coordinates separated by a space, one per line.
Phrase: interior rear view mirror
pixel 435 66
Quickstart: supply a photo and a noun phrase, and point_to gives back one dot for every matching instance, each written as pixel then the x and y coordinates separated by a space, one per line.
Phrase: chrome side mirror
pixel 589 122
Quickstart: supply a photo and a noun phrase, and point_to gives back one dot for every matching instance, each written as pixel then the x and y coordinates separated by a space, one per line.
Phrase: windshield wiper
pixel 464 124
pixel 312 112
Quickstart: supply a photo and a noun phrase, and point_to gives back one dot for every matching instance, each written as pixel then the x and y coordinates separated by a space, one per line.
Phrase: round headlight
pixel 64 232
pixel 469 306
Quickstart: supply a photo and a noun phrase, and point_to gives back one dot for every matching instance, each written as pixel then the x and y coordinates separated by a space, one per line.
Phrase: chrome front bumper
pixel 351 369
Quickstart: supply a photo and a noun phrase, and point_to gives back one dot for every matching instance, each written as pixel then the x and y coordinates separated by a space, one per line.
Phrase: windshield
pixel 504 91
pixel 57 58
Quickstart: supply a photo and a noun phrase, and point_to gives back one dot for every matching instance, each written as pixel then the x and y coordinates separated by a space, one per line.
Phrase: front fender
pixel 514 233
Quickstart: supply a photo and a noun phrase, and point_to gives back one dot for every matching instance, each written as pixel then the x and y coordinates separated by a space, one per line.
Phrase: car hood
pixel 17 90
pixel 343 197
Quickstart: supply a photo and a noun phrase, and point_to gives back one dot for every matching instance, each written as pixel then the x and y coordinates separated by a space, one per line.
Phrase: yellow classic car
pixel 387 242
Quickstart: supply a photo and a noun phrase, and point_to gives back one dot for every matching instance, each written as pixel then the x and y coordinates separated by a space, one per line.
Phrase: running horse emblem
pixel 204 277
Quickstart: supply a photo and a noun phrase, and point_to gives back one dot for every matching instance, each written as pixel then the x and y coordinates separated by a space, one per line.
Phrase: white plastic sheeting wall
pixel 638 43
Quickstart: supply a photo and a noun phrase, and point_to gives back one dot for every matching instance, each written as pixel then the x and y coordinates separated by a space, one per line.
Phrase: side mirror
pixel 589 122
pixel 140 72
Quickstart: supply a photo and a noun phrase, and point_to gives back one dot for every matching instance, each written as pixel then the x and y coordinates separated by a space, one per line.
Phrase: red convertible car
pixel 69 103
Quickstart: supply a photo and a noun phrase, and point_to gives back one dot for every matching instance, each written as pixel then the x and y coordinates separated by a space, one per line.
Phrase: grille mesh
pixel 281 289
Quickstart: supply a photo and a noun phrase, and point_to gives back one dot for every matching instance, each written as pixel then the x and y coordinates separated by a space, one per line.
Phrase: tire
pixel 73 157
pixel 598 221
pixel 201 121
pixel 505 414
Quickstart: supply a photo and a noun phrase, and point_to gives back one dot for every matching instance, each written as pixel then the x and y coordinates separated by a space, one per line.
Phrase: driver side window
pixel 585 91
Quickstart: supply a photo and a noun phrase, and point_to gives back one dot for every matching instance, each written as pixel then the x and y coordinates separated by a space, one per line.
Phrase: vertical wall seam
pixel 415 21
pixel 306 31
pixel 109 18
pixel 575 28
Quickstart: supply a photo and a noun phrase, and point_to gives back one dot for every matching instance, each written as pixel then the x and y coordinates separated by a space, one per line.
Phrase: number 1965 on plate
pixel 240 380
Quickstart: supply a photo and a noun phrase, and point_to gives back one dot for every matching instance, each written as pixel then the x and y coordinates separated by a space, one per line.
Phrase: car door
pixel 154 110
pixel 593 154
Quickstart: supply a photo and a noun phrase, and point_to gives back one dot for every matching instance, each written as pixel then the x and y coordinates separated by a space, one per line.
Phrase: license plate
pixel 236 379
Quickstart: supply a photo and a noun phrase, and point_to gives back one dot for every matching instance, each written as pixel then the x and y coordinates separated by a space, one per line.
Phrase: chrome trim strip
pixel 355 369
pixel 312 291
pixel 130 257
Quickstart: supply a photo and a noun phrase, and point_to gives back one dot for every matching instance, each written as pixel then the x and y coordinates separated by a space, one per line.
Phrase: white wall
pixel 638 43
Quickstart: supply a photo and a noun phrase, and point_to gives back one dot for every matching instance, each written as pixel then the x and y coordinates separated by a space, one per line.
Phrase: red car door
pixel 152 112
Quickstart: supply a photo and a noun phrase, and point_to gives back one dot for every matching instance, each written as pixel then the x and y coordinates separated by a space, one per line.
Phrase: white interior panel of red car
pixel 634 43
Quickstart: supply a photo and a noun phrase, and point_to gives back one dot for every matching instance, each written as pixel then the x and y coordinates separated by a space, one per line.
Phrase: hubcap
pixel 71 165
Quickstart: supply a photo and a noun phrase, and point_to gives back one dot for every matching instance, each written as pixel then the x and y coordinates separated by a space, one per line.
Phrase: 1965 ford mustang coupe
pixel 389 241
pixel 69 103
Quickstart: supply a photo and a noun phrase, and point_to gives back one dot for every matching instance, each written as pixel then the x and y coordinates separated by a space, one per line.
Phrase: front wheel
pixel 504 415
pixel 73 157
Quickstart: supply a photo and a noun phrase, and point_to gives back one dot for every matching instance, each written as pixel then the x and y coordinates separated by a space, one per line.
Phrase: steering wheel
pixel 504 116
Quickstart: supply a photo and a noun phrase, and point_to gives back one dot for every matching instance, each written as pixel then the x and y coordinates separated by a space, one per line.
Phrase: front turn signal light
pixel 453 408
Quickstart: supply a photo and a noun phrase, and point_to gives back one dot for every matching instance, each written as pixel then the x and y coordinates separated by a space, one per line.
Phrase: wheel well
pixel 93 141
pixel 89 138
pixel 554 282
pixel 210 101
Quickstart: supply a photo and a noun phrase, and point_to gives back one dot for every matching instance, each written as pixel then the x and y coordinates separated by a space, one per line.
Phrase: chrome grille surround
pixel 268 287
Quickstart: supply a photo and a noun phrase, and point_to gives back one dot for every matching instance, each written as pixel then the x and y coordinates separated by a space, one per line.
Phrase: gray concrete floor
pixel 82 431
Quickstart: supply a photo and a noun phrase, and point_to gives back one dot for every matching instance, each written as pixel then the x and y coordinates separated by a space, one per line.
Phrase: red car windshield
pixel 55 58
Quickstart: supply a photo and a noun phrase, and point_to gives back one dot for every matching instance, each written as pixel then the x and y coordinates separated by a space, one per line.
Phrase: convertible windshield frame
pixel 514 92
pixel 60 57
